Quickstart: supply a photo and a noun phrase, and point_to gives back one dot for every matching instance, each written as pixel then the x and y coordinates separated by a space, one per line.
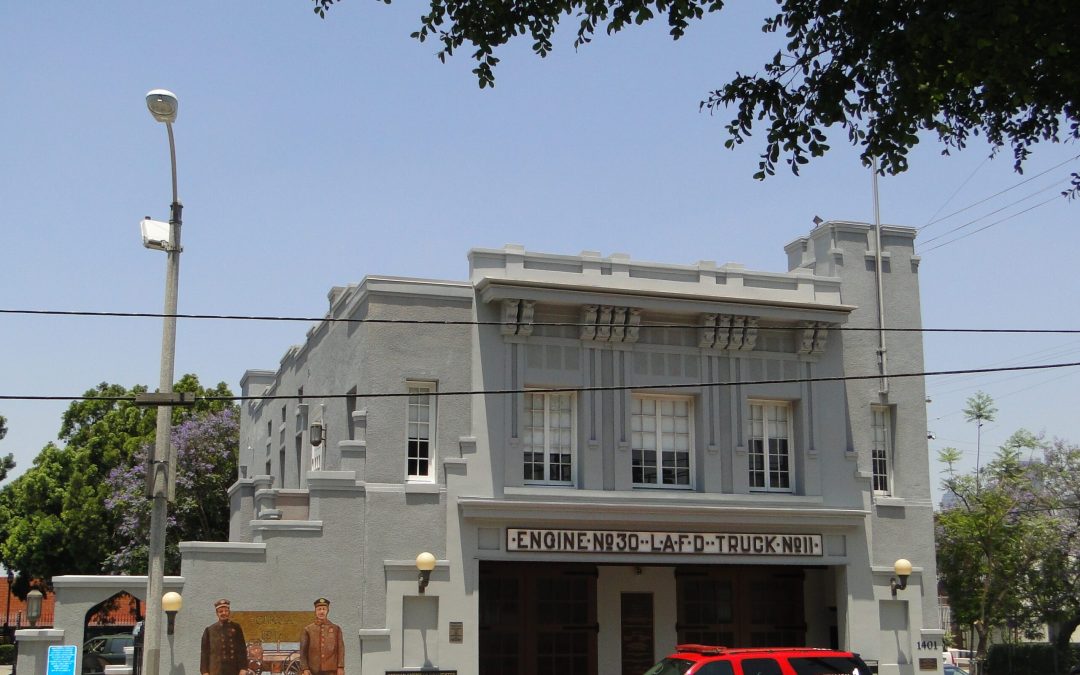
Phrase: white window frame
pixel 768 457
pixel 881 449
pixel 547 451
pixel 427 390
pixel 658 466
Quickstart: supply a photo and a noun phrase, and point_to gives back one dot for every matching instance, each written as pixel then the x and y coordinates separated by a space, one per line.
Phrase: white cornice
pixel 609 513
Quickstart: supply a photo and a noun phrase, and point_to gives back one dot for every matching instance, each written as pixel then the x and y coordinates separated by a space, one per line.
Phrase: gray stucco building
pixel 606 457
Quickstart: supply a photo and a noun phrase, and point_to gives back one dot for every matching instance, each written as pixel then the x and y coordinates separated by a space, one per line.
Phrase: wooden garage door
pixel 739 606
pixel 537 619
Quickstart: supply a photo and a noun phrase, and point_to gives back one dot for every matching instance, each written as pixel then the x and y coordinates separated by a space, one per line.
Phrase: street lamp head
pixel 163 105
pixel 33 606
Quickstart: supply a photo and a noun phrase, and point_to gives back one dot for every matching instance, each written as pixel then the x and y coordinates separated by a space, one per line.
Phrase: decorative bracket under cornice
pixel 603 323
pixel 517 317
pixel 812 338
pixel 728 332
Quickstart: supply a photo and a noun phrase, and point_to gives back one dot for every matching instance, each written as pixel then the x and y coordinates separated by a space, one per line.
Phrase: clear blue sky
pixel 312 152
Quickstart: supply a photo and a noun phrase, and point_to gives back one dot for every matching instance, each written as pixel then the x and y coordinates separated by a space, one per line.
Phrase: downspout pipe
pixel 883 366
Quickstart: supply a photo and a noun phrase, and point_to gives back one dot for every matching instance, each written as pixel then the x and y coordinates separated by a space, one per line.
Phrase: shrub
pixel 1029 658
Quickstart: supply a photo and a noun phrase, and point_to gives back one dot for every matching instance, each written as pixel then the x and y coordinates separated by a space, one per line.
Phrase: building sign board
pixel 273 627
pixel 61 660
pixel 528 540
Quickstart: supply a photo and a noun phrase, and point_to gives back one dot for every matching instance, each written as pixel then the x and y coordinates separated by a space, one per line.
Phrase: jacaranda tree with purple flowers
pixel 206 467
pixel 54 518
pixel 1054 582
pixel 1008 543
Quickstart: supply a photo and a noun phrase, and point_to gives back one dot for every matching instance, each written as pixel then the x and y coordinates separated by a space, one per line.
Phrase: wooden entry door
pixel 740 606
pixel 636 632
pixel 537 619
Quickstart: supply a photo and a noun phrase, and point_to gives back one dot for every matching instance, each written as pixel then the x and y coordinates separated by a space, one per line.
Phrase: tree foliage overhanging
pixel 881 71
pixel 70 512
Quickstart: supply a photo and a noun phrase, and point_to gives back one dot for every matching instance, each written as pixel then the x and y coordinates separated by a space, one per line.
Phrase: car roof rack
pixel 702 649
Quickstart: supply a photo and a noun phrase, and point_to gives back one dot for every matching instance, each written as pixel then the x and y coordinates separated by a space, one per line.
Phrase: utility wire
pixel 1057 352
pixel 986 227
pixel 987 215
pixel 985 384
pixel 555 390
pixel 996 194
pixel 467 322
pixel 1041 383
pixel 931 220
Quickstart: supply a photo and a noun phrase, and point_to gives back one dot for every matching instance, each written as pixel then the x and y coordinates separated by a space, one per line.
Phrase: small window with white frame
pixel 769 451
pixel 421 431
pixel 881 449
pixel 548 440
pixel 661 441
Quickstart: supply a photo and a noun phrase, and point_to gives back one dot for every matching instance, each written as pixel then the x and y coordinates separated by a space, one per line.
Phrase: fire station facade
pixel 605 458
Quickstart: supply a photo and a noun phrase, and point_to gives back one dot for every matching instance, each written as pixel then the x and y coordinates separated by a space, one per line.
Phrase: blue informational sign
pixel 61 660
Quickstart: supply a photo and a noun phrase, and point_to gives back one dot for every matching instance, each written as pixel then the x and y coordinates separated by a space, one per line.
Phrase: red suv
pixel 706 660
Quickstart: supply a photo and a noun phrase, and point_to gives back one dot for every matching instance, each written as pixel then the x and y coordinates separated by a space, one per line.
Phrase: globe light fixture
pixel 425 562
pixel 902 568
pixel 171 602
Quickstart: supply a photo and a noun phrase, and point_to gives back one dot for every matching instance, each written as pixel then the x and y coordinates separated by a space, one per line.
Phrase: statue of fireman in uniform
pixel 322 647
pixel 224 651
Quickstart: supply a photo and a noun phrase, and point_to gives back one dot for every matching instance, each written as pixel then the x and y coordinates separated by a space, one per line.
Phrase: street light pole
pixel 161 469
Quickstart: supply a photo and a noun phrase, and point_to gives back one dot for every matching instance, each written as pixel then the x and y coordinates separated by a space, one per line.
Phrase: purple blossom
pixel 206 449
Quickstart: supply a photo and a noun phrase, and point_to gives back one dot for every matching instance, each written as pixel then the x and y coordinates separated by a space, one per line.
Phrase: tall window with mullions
pixel 881 448
pixel 549 438
pixel 769 450
pixel 421 430
pixel 661 438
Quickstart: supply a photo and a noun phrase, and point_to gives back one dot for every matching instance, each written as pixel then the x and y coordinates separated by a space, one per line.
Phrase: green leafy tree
pixel 53 518
pixel 880 72
pixel 1054 582
pixel 7 462
pixel 979 409
pixel 985 542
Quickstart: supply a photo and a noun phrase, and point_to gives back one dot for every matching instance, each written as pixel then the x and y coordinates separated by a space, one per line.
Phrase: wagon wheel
pixel 291 665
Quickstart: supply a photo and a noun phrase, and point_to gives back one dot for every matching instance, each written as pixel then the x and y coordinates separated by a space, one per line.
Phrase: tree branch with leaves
pixel 882 73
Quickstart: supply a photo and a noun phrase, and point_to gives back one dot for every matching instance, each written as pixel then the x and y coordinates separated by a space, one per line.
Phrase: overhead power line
pixel 986 227
pixel 999 193
pixel 556 390
pixel 995 211
pixel 956 192
pixel 468 322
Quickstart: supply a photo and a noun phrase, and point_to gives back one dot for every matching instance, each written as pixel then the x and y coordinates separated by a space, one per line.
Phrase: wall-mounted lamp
pixel 425 562
pixel 317 433
pixel 33 607
pixel 902 567
pixel 171 602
